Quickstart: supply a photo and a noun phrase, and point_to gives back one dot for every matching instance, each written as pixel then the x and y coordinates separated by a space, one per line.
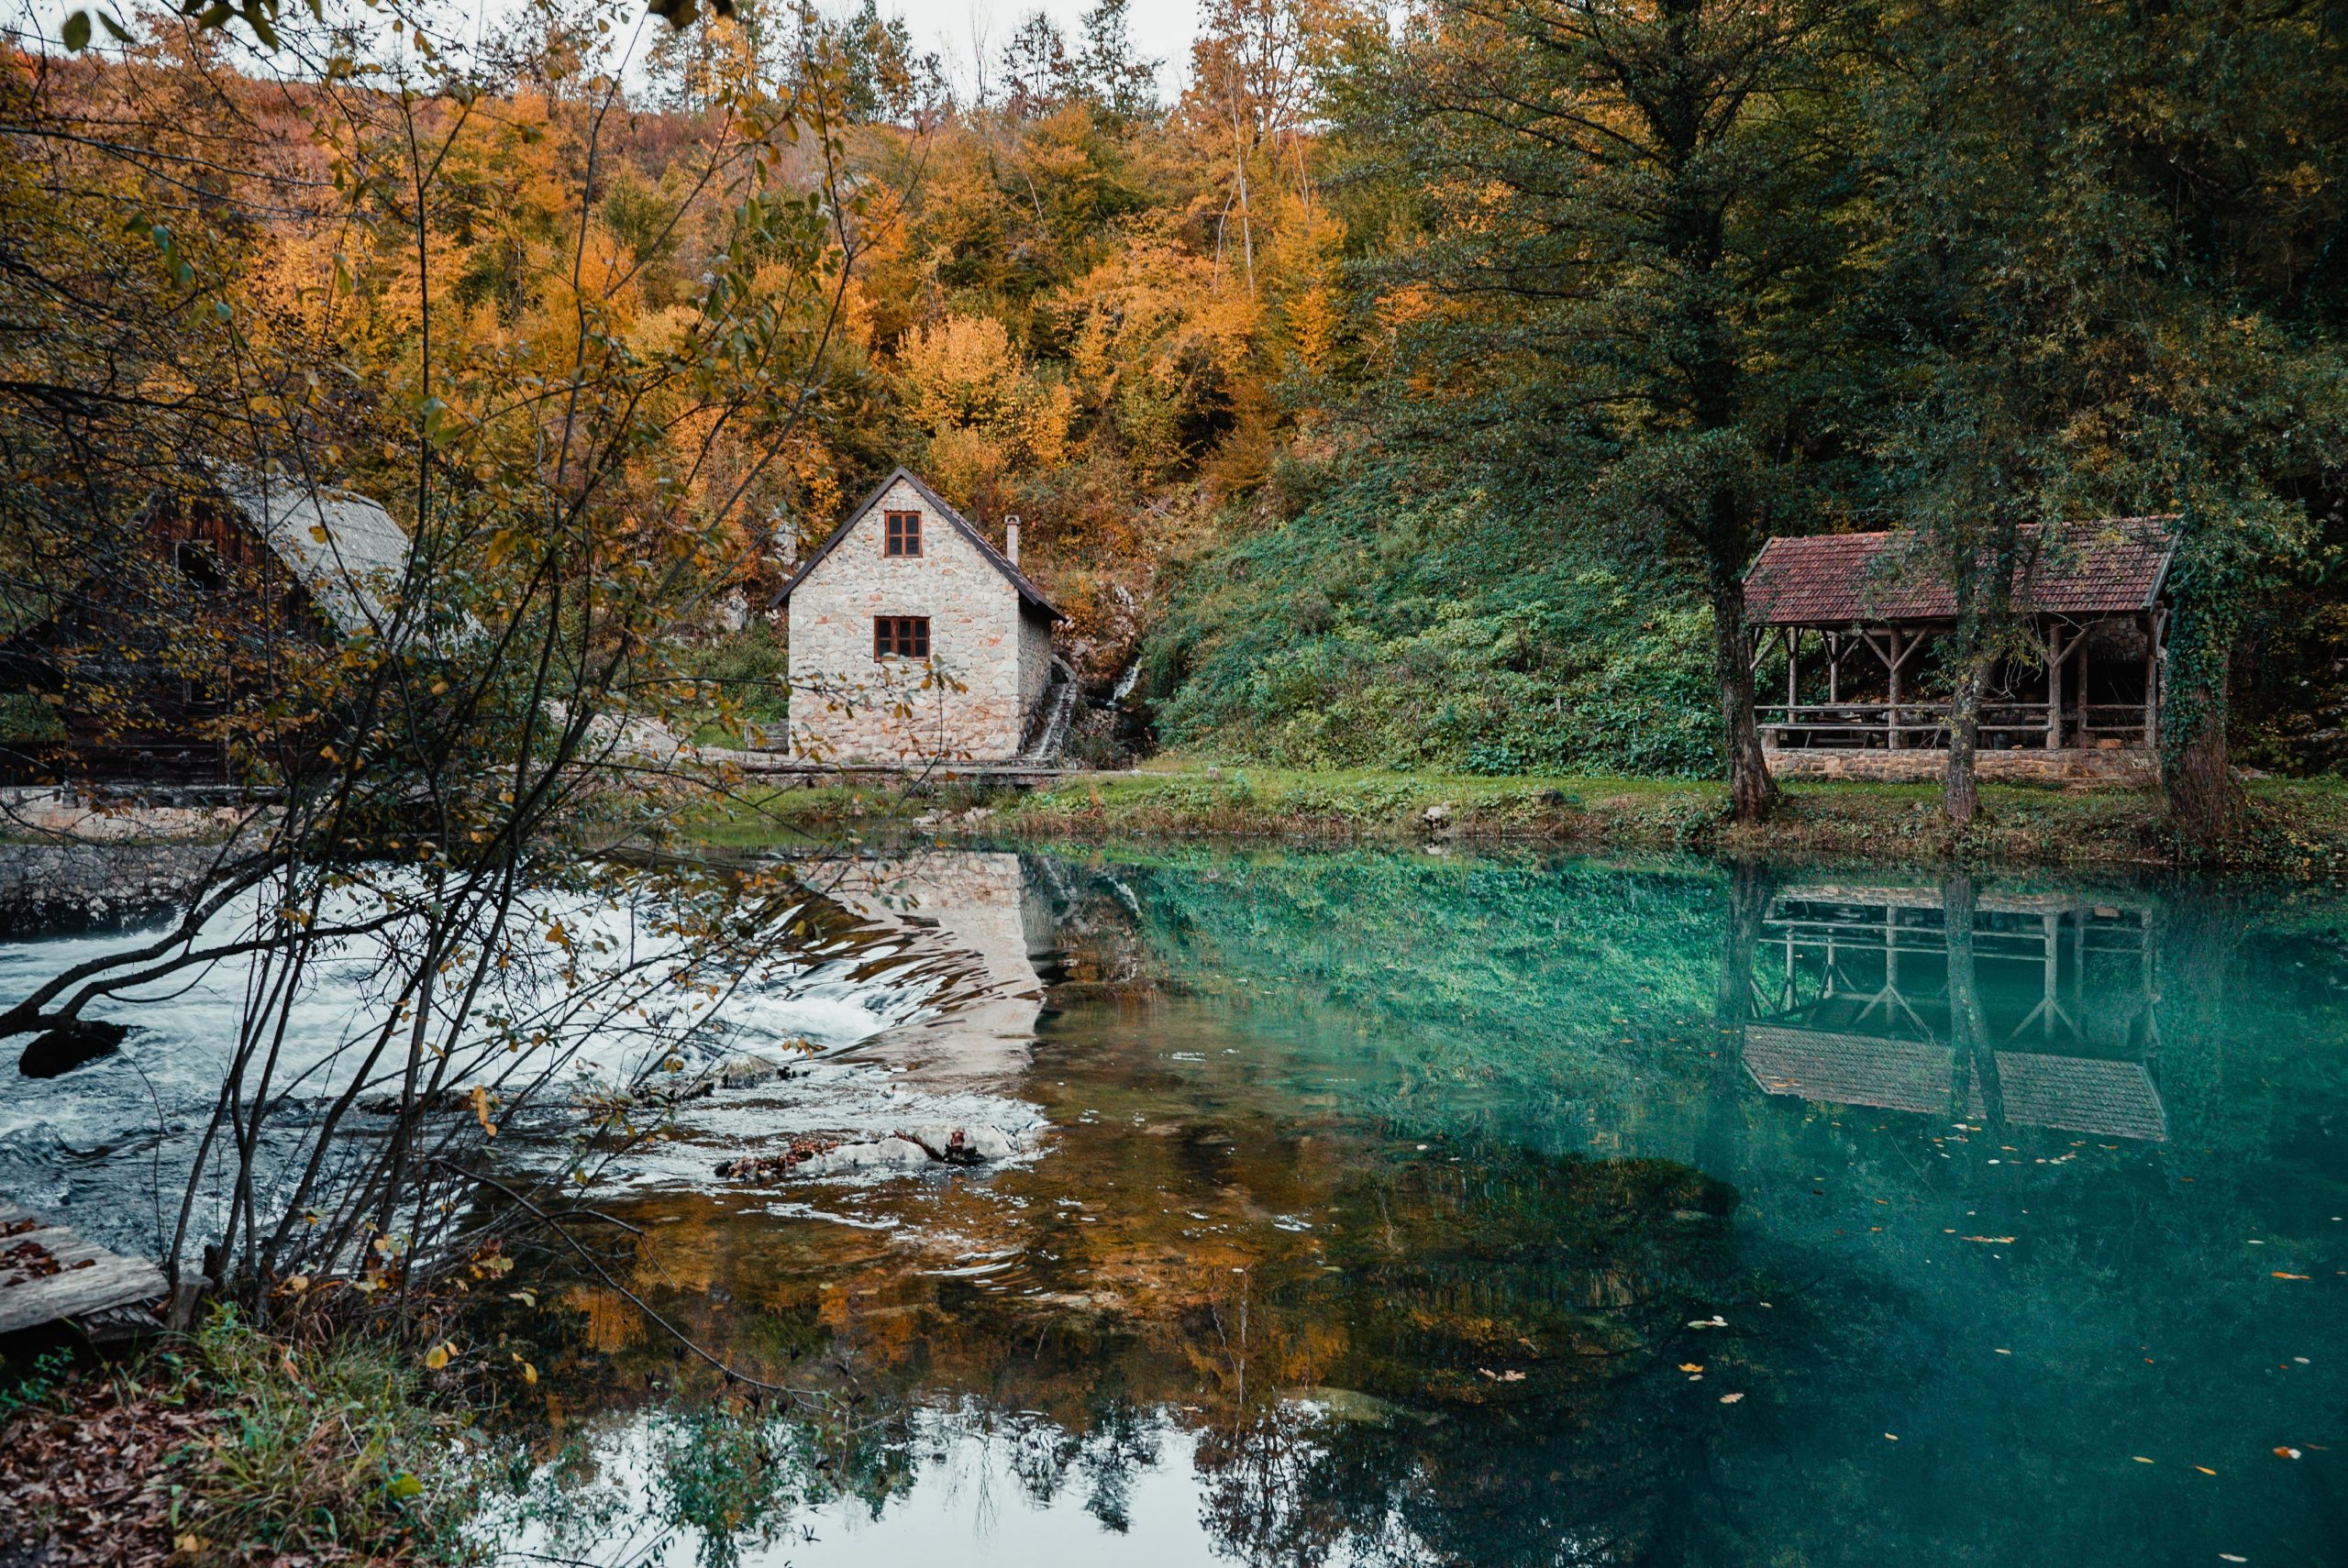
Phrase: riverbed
pixel 1403 1207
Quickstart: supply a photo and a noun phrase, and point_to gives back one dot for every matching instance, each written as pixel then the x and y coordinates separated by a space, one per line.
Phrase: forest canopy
pixel 1407 387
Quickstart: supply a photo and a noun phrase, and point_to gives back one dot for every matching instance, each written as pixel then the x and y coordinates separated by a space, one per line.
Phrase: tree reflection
pixel 1493 1343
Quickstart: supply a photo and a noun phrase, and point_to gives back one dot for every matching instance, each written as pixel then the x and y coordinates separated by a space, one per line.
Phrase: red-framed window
pixel 903 532
pixel 900 636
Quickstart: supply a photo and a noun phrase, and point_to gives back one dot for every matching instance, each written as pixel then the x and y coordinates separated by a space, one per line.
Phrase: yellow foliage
pixel 974 392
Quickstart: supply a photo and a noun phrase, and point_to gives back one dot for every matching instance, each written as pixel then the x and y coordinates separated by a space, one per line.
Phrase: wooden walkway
pixel 47 1273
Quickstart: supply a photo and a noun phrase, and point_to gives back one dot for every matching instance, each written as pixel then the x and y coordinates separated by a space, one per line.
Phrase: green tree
pixel 1631 207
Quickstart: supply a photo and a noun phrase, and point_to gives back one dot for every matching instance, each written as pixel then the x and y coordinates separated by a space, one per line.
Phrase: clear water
pixel 1418 1209
pixel 1402 1209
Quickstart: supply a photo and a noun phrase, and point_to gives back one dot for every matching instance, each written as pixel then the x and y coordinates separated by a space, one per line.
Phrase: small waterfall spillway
pixel 1060 699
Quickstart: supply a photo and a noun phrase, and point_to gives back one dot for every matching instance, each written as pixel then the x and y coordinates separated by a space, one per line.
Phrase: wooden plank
pixel 89 1277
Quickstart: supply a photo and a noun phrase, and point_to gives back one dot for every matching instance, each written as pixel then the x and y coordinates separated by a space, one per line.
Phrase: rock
pixel 63 1049
pixel 1437 818
pixel 988 1142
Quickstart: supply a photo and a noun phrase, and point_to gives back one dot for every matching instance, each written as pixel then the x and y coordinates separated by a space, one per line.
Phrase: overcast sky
pixel 1161 28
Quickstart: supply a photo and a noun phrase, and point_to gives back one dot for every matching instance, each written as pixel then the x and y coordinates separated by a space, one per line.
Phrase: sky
pixel 1161 29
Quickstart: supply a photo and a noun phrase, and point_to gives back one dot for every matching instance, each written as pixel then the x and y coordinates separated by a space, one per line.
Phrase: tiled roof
pixel 1834 579
pixel 1029 594
pixel 2078 1094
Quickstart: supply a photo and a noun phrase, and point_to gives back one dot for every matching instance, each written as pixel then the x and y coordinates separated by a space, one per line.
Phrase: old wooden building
pixel 130 675
pixel 1862 628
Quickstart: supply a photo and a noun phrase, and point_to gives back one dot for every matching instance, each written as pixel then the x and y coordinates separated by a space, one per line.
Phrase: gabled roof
pixel 344 549
pixel 1029 594
pixel 2104 568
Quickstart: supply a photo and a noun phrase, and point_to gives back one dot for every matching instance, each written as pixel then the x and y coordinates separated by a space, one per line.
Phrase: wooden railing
pixel 1922 724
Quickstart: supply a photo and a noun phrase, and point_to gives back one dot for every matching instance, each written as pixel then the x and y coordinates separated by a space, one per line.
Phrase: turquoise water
pixel 1420 1209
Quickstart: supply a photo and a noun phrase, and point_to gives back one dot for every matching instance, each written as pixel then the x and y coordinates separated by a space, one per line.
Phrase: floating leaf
pixel 1731 1399
pixel 1691 1366
pixel 2286 1451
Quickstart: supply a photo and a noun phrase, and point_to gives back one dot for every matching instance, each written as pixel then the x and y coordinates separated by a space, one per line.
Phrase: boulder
pixel 62 1049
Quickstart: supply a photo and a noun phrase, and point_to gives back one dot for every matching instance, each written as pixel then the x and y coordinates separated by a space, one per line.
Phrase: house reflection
pixel 2040 1013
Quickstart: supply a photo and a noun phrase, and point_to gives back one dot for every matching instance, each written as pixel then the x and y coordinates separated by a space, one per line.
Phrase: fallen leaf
pixel 2139 1459
pixel 438 1357
pixel 2280 1274
pixel 1691 1366
pixel 2205 1470
pixel 1731 1399
pixel 2287 1453
pixel 1990 1241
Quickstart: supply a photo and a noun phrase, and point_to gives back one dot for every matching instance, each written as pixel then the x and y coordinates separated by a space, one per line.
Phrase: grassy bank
pixel 230 1447
pixel 2300 826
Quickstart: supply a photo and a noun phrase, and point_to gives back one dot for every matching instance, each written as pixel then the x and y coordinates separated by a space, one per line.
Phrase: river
pixel 1414 1208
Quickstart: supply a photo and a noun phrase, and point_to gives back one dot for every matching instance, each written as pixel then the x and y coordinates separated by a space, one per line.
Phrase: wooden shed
pixel 1858 619
pixel 138 665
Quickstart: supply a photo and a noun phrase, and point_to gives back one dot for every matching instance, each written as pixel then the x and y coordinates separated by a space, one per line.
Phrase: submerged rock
pixel 65 1048
pixel 973 1144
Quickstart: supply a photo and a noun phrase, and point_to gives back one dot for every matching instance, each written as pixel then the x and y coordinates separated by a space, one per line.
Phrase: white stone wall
pixel 846 705
pixel 1034 659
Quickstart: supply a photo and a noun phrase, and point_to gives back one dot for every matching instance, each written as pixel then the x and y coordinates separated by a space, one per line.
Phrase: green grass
pixel 2298 827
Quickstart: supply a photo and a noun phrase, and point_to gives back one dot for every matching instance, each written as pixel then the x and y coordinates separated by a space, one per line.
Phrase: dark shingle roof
pixel 1029 593
pixel 2087 569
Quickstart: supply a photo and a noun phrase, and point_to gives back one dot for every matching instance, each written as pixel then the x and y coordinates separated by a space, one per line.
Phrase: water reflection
pixel 1519 1211
pixel 2030 1007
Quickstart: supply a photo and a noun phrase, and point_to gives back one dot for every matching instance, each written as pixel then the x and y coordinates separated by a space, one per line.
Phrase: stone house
pixel 912 639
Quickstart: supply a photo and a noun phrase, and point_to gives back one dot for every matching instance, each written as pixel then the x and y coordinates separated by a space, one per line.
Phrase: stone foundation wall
pixel 68 888
pixel 2123 769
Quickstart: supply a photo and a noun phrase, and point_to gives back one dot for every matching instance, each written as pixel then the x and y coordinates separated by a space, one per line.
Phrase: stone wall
pixel 65 888
pixel 2129 768
pixel 845 704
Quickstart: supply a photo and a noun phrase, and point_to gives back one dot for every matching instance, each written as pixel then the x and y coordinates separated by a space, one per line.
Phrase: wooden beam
pixel 88 1278
pixel 1891 711
pixel 2053 689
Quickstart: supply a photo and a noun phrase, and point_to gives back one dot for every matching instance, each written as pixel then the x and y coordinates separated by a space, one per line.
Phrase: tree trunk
pixel 1973 1068
pixel 2205 799
pixel 1752 794
pixel 1961 789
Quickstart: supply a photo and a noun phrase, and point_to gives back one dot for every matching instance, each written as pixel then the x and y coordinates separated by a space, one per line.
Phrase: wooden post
pixel 1892 709
pixel 1833 667
pixel 1793 670
pixel 2054 653
pixel 2082 704
pixel 2151 678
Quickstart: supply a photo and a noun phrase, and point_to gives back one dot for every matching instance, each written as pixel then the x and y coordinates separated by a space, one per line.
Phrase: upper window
pixel 900 636
pixel 905 533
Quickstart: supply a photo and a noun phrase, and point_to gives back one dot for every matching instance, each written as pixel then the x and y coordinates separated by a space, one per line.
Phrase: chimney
pixel 1011 540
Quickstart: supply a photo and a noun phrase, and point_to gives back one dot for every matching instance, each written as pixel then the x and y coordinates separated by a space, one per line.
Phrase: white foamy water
pixel 107 1145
